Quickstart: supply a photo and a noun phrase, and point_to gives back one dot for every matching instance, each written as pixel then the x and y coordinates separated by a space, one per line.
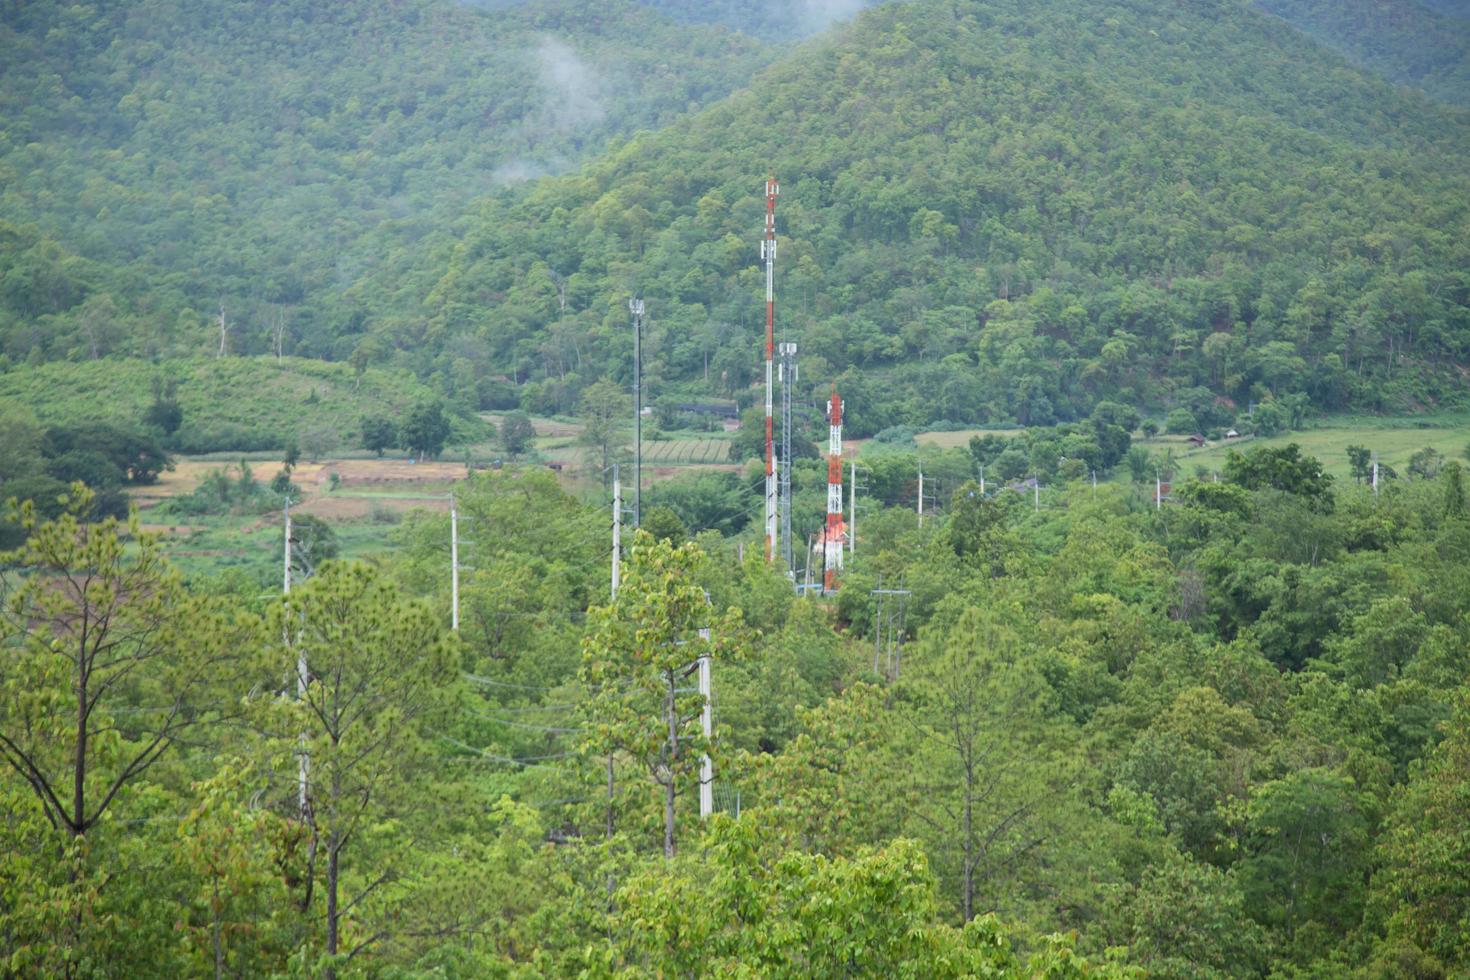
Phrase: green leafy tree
pixel 1181 421
pixel 109 665
pixel 793 914
pixel 165 413
pixel 1360 463
pixel 664 524
pixel 378 670
pixel 517 434
pixel 378 433
pixel 239 916
pixel 639 655
pixel 1140 464
pixel 1425 463
pixel 1186 918
pixel 606 412
pixel 1284 468
pixel 100 613
pixel 312 542
pixel 1421 893
pixel 1454 490
pixel 426 430
pixel 989 786
pixel 1306 837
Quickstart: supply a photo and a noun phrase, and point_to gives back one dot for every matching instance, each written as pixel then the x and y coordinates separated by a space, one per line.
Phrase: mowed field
pixel 1395 440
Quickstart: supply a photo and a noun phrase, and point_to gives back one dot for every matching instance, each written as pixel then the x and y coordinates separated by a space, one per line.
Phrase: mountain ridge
pixel 879 156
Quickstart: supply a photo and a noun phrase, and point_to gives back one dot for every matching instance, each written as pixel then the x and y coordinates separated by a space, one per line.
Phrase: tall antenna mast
pixel 832 540
pixel 768 252
pixel 789 372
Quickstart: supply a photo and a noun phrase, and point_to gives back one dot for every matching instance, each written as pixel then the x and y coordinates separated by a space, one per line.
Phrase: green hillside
pixel 268 157
pixel 1006 211
pixel 228 403
pixel 1403 40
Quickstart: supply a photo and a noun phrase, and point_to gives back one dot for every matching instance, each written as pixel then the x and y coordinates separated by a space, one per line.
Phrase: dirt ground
pixel 314 478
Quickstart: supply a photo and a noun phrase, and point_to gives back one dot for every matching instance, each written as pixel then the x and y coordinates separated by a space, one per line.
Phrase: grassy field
pixel 1394 439
pixel 959 438
pixel 257 401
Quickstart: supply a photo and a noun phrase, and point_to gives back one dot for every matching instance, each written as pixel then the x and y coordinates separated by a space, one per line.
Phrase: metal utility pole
pixel 1158 491
pixel 832 539
pixel 888 629
pixel 1375 474
pixel 635 306
pixel 304 768
pixel 982 479
pixel 453 564
pixel 789 376
pixel 768 252
pixel 286 569
pixel 851 507
pixel 1036 493
pixel 921 498
pixel 706 720
pixel 617 545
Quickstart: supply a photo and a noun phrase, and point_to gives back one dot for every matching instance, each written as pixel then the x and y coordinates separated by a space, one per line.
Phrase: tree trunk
pixel 79 775
pixel 969 842
pixel 219 949
pixel 332 849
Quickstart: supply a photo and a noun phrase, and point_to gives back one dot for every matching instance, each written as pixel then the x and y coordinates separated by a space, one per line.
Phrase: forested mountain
pixel 162 160
pixel 990 211
pixel 775 19
pixel 1006 211
pixel 1402 40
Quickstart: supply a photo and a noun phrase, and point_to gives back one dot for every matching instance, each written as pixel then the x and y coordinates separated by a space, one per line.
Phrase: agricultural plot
pixel 686 451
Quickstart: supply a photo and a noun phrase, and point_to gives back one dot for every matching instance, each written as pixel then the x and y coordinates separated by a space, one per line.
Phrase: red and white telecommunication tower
pixel 832 538
pixel 768 252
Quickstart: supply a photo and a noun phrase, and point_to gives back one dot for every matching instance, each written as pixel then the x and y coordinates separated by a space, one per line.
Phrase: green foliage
pixel 376 668
pixel 636 653
pixel 1285 469
pixel 425 430
pixel 228 404
pixel 1187 919
pixel 221 491
pixel 378 433
pixel 517 434
pixel 664 525
pixel 1409 43
pixel 151 140
pixel 1420 898
pixel 604 410
pixel 1181 421
pixel 802 915
pixel 1071 304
